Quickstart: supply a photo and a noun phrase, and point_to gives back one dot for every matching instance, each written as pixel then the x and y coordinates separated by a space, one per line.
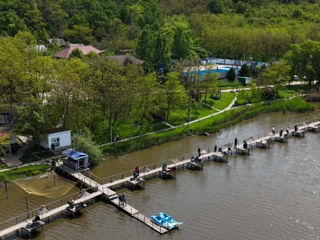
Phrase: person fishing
pixel 136 172
pixel 235 142
pixel 287 131
pixel 122 200
pixel 164 166
pixel 215 148
pixel 281 132
pixel 245 144
pixel 296 128
pixel 199 151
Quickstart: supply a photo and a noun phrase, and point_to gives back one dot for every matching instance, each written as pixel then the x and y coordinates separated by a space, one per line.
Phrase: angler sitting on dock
pixel 71 208
pixel 136 172
pixel 36 223
pixel 122 200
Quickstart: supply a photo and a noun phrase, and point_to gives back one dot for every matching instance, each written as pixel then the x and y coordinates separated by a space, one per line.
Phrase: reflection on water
pixel 270 194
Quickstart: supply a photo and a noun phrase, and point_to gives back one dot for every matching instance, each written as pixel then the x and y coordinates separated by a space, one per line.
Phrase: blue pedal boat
pixel 165 221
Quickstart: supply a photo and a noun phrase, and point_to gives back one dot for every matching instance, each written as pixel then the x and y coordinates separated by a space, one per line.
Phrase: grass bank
pixel 210 125
pixel 24 172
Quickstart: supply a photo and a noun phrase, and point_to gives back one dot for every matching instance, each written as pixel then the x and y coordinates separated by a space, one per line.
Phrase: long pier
pixel 106 186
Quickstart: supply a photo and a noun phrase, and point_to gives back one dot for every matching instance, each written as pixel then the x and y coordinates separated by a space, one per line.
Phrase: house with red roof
pixel 65 53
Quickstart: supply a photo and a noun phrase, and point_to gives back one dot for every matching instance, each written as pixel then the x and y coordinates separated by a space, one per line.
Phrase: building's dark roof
pixel 56 130
pixel 121 58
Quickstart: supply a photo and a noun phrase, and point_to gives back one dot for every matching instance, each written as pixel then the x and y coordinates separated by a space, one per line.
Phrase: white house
pixel 56 139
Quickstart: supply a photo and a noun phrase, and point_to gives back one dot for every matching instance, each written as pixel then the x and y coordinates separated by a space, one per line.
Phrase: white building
pixel 56 139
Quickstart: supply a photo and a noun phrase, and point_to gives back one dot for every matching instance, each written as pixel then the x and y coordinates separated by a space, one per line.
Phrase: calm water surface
pixel 271 194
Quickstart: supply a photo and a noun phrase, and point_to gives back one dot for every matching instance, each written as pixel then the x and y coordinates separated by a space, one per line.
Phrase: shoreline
pixel 209 125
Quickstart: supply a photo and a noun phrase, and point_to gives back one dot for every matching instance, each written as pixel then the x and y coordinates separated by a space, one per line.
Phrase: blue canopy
pixel 74 155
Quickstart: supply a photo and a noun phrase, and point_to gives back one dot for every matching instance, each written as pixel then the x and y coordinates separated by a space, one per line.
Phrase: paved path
pixel 11 160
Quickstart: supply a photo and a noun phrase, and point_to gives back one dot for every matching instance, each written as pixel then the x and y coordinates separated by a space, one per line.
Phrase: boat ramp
pixel 106 187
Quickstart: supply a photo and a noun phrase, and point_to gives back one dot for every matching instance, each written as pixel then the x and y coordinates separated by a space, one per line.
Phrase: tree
pixel 215 6
pixel 231 75
pixel 16 55
pixel 275 76
pixel 241 7
pixel 304 60
pixel 244 71
pixel 113 91
pixel 86 144
pixel 69 98
pixel 76 53
pixel 174 92
pixel 148 96
pixel 32 121
pixel 181 43
pixel 210 84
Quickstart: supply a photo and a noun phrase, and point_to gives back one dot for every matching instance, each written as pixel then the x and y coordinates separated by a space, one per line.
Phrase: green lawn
pixel 124 130
pixel 224 83
pixel 180 116
pixel 222 103
pixel 24 172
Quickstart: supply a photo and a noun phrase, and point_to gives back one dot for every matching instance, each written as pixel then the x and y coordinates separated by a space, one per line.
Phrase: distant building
pixel 5 118
pixel 75 45
pixel 125 51
pixel 245 80
pixel 65 53
pixel 41 48
pixel 57 139
pixel 120 59
pixel 61 41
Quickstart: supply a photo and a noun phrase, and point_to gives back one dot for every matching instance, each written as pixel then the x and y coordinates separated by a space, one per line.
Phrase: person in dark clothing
pixel 235 142
pixel 199 151
pixel 281 132
pixel 215 148
pixel 245 144
pixel 296 128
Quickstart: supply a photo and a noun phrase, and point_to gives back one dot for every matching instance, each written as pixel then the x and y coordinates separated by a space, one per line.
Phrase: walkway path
pixel 174 127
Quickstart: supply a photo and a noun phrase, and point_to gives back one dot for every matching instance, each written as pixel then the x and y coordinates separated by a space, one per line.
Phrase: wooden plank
pixel 126 208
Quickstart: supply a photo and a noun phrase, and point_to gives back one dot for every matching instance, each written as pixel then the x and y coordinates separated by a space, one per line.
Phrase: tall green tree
pixel 231 75
pixel 174 93
pixel 148 90
pixel 31 120
pixel 113 91
pixel 275 76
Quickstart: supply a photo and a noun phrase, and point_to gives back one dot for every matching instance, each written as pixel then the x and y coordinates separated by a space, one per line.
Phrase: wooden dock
pixel 107 189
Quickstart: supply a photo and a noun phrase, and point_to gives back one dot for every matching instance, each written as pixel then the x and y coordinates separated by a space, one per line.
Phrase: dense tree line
pixel 162 30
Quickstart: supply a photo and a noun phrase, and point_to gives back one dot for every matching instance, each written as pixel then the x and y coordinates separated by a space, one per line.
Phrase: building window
pixel 55 141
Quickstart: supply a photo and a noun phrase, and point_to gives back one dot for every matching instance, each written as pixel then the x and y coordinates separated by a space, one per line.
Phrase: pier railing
pixel 41 210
